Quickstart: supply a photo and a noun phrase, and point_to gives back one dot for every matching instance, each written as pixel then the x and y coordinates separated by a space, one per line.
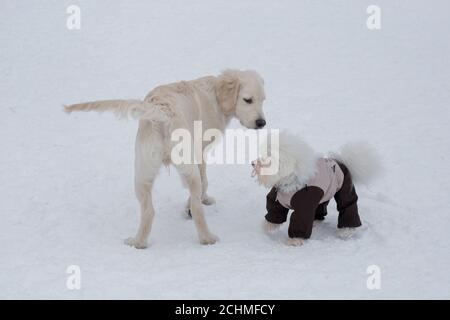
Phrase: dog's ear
pixel 227 91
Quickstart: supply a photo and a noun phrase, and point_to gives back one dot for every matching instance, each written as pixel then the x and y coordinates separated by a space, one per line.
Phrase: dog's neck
pixel 296 180
pixel 290 184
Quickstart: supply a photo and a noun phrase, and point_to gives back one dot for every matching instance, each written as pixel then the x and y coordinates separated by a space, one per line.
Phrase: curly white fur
pixel 361 159
pixel 296 162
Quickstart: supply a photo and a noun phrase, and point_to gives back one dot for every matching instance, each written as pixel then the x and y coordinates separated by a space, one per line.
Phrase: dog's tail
pixel 361 159
pixel 135 109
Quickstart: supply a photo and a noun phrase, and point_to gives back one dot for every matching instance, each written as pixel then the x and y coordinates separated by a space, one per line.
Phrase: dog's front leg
pixel 207 200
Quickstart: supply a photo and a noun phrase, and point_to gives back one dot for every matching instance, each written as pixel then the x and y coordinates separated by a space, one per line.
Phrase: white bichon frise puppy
pixel 305 182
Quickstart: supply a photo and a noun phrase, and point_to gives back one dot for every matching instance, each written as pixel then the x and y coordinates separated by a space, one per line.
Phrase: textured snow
pixel 66 191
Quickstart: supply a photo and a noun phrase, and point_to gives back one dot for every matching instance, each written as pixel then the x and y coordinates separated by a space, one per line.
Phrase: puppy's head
pixel 279 160
pixel 241 94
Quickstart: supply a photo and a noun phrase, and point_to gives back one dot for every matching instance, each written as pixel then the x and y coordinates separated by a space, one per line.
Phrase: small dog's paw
pixel 317 222
pixel 346 233
pixel 270 227
pixel 207 200
pixel 295 242
pixel 209 239
pixel 137 244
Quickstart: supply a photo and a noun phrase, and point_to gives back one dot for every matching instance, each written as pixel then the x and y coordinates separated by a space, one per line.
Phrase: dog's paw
pixel 208 239
pixel 317 222
pixel 207 200
pixel 346 233
pixel 295 242
pixel 270 227
pixel 137 244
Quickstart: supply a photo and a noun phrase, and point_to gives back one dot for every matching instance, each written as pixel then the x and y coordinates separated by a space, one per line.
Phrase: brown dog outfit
pixel 332 179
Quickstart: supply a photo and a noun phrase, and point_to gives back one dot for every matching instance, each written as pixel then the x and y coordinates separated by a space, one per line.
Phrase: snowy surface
pixel 66 191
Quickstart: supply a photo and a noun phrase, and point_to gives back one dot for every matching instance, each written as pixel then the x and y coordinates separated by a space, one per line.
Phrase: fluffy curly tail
pixel 361 159
pixel 135 109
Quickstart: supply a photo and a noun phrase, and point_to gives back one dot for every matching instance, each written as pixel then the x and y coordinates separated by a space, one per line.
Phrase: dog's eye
pixel 249 100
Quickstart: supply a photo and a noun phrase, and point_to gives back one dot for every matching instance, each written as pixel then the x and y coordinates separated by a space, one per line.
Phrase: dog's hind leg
pixel 144 196
pixel 147 163
pixel 207 200
pixel 191 175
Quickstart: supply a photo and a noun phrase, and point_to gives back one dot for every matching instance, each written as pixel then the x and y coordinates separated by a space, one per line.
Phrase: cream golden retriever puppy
pixel 214 100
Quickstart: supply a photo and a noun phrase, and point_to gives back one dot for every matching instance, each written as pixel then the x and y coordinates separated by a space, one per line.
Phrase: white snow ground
pixel 327 77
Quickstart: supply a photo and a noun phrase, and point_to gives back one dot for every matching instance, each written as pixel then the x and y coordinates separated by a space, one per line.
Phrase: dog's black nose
pixel 260 123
